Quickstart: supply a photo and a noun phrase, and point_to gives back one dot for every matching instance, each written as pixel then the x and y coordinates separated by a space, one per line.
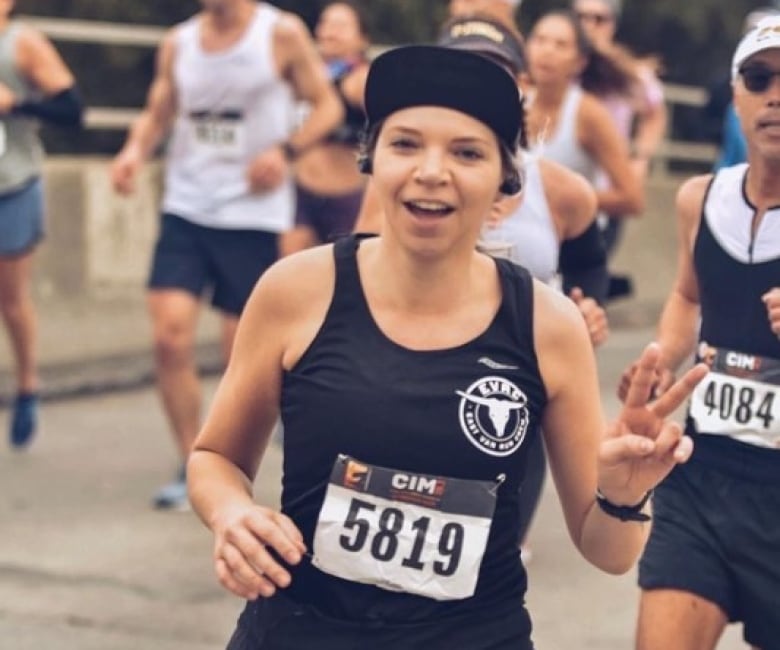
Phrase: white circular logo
pixel 493 414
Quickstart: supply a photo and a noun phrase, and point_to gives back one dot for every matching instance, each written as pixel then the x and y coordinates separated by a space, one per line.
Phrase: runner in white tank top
pixel 232 104
pixel 223 88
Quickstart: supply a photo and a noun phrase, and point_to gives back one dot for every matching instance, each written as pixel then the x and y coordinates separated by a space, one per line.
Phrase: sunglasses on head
pixel 757 78
pixel 593 17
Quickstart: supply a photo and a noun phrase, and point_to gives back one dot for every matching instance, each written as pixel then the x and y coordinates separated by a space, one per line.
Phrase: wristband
pixel 624 513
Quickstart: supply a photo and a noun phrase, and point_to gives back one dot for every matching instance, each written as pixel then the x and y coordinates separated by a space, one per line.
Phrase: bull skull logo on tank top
pixel 493 415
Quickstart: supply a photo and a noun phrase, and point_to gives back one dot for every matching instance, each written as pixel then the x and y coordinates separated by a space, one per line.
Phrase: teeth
pixel 429 205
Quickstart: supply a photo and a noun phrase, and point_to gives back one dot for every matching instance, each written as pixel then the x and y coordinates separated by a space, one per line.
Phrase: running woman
pixel 411 371
pixel 35 85
pixel 329 186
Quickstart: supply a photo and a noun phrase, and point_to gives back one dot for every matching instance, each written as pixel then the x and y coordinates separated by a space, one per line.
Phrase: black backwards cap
pixel 484 36
pixel 429 75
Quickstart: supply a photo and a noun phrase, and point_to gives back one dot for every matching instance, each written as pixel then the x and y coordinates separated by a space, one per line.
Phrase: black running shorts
pixel 197 259
pixel 717 535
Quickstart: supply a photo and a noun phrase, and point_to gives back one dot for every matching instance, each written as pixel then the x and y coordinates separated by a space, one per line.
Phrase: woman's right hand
pixel 243 538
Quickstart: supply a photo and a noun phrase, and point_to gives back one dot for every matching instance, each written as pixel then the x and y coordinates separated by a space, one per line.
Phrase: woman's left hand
pixel 641 447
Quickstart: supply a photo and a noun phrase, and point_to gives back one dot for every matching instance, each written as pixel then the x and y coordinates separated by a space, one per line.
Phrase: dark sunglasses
pixel 757 78
pixel 593 17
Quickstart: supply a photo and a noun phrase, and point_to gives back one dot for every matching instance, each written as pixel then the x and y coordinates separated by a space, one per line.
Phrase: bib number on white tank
pixel 224 137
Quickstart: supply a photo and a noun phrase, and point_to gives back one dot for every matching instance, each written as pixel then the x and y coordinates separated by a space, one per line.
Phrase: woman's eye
pixel 470 154
pixel 403 143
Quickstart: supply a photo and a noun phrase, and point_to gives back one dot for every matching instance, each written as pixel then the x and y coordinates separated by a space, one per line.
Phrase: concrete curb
pixel 129 371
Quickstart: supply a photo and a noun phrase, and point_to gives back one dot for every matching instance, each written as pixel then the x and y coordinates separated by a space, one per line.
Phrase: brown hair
pixel 605 72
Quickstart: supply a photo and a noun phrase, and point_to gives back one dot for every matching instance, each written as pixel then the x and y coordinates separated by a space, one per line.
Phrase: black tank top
pixel 356 392
pixel 731 282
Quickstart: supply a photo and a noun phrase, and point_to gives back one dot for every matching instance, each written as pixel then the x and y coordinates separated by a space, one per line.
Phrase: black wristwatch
pixel 624 513
pixel 290 152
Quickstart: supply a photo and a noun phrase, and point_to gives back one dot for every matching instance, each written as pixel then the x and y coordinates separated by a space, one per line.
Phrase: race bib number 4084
pixel 413 533
pixel 739 398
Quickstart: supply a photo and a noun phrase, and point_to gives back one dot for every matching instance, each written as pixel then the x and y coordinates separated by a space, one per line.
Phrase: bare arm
pixel 679 323
pixel 300 64
pixel 303 67
pixel 573 448
pixel 354 85
pixel 152 124
pixel 601 139
pixel 39 61
pixel 651 122
pixel 281 317
pixel 623 460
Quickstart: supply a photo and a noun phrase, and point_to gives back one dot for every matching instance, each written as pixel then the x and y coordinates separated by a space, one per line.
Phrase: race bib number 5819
pixel 414 533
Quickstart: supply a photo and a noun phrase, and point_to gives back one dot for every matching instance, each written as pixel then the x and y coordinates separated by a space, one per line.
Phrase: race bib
pixel 738 398
pixel 223 133
pixel 406 532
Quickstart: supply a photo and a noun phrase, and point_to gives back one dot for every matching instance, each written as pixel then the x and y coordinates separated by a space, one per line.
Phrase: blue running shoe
pixel 24 421
pixel 173 496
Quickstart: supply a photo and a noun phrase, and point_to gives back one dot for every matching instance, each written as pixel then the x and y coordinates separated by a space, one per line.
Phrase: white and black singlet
pixel 739 401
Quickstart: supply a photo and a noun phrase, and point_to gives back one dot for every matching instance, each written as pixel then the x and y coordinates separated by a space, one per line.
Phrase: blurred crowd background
pixel 691 42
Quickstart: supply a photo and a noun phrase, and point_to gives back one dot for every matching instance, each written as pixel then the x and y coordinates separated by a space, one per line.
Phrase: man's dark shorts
pixel 226 263
pixel 716 534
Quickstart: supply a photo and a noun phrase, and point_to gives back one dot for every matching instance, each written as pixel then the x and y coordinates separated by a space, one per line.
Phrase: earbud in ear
pixel 365 164
pixel 511 185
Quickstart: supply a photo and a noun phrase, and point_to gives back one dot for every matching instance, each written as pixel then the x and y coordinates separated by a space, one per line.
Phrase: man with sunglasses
pixel 712 557
pixel 733 149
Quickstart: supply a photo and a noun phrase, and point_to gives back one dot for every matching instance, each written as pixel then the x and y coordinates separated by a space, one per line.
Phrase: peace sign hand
pixel 641 447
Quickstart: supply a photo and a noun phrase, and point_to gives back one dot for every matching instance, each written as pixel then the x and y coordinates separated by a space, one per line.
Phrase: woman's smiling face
pixel 437 172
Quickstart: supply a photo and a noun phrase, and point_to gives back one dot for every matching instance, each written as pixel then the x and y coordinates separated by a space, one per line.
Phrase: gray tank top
pixel 562 146
pixel 21 152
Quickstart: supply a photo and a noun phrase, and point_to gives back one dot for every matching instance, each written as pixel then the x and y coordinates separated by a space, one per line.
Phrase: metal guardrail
pixel 92 31
pixel 108 118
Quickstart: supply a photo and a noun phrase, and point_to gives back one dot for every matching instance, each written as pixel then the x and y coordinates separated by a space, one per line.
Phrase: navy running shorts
pixel 21 219
pixel 197 259
pixel 716 534
pixel 330 217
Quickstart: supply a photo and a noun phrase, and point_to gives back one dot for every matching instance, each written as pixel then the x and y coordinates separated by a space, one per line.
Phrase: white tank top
pixel 562 146
pixel 232 106
pixel 529 230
